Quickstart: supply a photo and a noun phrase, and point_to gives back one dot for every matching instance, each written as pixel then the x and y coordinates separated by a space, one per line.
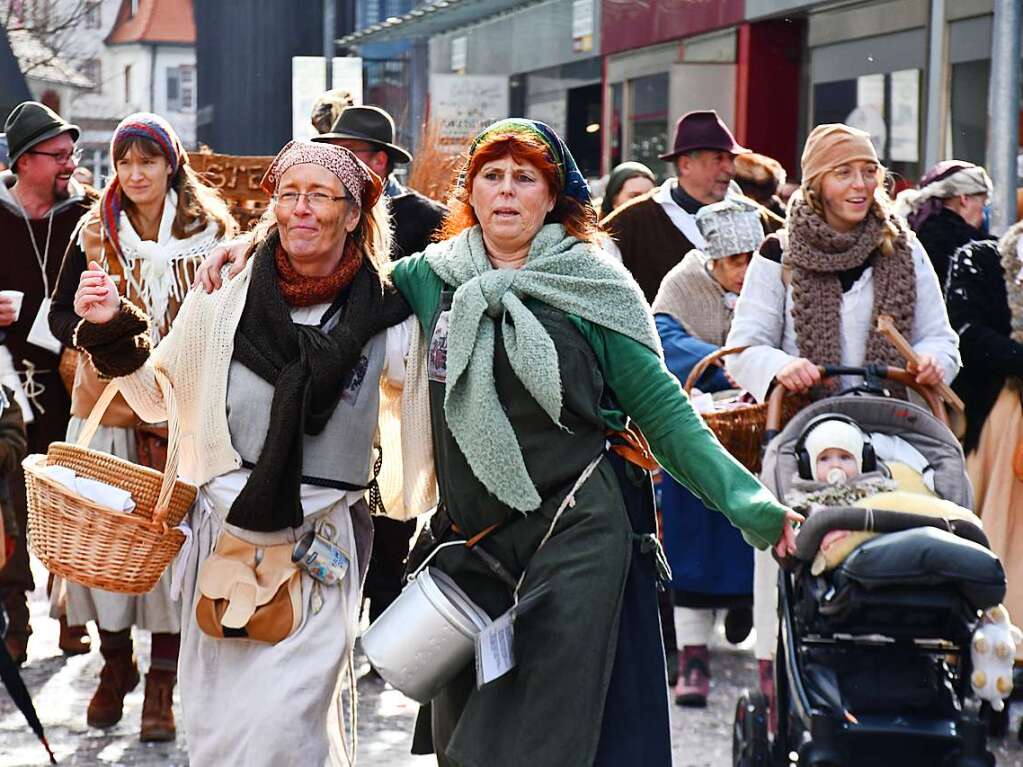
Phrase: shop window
pixel 181 88
pixel 969 110
pixel 885 105
pixel 648 119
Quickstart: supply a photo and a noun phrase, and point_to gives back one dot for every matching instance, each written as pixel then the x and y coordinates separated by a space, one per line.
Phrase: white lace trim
pixel 163 272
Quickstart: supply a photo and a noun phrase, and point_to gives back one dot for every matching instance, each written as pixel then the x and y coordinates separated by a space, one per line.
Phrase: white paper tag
pixel 40 334
pixel 495 654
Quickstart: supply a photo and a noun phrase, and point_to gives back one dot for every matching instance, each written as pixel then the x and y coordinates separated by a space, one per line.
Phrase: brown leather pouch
pixel 242 598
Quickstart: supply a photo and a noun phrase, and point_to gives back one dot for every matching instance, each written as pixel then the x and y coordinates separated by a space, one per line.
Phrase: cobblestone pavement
pixel 62 687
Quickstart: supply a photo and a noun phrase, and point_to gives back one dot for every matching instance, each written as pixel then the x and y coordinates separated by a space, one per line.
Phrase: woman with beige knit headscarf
pixel 813 293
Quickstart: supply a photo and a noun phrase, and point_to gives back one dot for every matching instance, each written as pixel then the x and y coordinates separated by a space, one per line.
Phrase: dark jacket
pixel 12 450
pixel 415 218
pixel 651 244
pixel 978 308
pixel 942 235
pixel 19 270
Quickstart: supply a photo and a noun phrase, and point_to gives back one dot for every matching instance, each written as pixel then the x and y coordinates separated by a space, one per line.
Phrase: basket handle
pixel 706 362
pixel 170 472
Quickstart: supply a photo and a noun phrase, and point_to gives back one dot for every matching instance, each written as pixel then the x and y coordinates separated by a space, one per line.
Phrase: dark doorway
pixel 583 128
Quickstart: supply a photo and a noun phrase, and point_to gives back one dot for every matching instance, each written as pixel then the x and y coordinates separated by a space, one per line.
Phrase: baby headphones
pixel 803 462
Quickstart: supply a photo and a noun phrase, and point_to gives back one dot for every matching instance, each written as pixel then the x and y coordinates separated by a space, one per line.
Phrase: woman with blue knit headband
pixel 540 363
pixel 153 225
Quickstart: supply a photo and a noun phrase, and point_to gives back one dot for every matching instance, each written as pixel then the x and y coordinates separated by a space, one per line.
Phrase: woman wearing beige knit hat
pixel 813 293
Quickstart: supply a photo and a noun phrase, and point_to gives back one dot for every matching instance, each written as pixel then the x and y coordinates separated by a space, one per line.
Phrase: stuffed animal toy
pixel 992 651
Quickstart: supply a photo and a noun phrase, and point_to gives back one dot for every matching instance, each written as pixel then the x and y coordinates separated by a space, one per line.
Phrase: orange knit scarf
pixel 301 290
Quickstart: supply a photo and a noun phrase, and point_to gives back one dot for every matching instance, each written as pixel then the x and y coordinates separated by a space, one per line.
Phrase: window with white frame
pixel 181 88
pixel 93 69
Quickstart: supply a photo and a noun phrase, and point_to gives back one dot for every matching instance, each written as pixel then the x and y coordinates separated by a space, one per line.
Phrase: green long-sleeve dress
pixel 549 709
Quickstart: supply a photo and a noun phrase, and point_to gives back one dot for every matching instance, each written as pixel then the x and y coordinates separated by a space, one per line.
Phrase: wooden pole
pixel 886 327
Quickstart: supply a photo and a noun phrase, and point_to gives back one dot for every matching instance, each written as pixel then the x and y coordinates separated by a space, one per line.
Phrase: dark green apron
pixel 548 710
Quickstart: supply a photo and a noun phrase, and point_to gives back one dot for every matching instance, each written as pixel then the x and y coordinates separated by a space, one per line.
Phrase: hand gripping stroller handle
pixel 929 394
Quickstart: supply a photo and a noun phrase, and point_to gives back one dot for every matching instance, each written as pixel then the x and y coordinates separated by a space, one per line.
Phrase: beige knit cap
pixel 831 145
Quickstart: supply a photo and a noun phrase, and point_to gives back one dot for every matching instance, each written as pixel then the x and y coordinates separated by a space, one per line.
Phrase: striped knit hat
pixel 156 130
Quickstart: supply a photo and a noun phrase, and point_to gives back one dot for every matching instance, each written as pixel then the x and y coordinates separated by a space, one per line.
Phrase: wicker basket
pixel 741 428
pixel 97 546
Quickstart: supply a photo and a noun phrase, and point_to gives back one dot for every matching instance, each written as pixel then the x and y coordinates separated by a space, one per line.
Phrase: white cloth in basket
pixel 98 492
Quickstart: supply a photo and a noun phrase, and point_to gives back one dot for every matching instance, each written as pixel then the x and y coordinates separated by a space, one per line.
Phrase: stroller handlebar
pixel 898 375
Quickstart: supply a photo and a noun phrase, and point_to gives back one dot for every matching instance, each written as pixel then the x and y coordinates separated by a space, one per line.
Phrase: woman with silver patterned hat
pixel 712 567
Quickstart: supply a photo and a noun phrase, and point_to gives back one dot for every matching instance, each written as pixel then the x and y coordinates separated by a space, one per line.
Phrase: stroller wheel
pixel 750 744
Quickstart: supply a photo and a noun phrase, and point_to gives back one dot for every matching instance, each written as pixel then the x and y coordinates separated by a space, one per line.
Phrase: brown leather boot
pixel 158 707
pixel 118 677
pixel 73 640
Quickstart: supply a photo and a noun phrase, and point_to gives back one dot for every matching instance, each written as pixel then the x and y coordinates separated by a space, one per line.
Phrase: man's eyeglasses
pixel 60 157
pixel 316 200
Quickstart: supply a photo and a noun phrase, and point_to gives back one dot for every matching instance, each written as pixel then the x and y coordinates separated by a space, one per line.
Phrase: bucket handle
pixel 430 556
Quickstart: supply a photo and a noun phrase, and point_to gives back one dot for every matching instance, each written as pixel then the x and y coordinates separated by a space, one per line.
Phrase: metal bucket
pixel 426 636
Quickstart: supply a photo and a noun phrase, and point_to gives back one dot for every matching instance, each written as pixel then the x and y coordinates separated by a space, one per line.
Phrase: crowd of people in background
pixel 523 326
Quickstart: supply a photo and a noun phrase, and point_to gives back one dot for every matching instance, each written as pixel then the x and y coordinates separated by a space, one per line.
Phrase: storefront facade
pixel 549 55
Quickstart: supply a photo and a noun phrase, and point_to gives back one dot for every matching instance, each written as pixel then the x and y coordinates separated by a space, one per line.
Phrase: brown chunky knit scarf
pixel 300 290
pixel 817 253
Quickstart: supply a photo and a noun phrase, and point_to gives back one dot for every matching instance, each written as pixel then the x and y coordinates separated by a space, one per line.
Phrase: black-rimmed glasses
pixel 60 157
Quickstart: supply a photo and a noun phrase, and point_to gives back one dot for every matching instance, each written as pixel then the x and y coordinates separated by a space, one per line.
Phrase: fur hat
pixel 759 170
pixel 841 435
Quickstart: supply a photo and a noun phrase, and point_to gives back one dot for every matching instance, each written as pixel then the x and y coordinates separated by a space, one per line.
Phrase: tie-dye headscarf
pixel 153 128
pixel 572 182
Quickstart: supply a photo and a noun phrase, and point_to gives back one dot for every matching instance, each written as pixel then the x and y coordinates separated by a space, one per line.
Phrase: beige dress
pixel 998 490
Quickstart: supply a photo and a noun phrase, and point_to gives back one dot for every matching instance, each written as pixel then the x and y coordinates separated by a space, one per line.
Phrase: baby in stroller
pixel 877 610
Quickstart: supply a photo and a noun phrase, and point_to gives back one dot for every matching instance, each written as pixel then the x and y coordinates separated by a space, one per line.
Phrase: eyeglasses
pixel 60 157
pixel 316 200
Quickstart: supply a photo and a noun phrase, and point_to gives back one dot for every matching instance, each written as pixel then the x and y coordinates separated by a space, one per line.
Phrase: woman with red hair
pixel 537 355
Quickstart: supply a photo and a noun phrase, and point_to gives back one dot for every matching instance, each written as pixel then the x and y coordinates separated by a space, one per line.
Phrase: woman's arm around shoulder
pixel 419 284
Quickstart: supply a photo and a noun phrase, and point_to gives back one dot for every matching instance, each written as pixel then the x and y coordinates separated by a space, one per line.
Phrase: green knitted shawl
pixel 571 276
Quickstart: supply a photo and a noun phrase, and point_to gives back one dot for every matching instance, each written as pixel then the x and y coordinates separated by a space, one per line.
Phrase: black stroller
pixel 873 663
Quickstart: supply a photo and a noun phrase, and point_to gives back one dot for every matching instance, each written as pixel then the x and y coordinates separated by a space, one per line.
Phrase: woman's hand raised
pixel 799 375
pixel 96 299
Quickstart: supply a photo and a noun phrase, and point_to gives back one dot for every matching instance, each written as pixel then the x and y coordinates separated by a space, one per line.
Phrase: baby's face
pixel 834 460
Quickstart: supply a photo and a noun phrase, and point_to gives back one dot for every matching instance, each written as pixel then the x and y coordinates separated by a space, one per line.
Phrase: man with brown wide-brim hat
pixel 40 206
pixel 651 234
pixel 368 131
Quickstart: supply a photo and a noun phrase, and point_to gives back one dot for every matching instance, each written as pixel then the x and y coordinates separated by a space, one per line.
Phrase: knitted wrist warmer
pixel 119 347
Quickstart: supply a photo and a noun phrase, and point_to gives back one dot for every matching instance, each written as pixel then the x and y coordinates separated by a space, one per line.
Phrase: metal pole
pixel 1003 108
pixel 329 10
pixel 937 59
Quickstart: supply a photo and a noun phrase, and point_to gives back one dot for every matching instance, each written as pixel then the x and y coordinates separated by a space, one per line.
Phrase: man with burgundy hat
pixel 653 232
pixel 40 206
pixel 368 132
